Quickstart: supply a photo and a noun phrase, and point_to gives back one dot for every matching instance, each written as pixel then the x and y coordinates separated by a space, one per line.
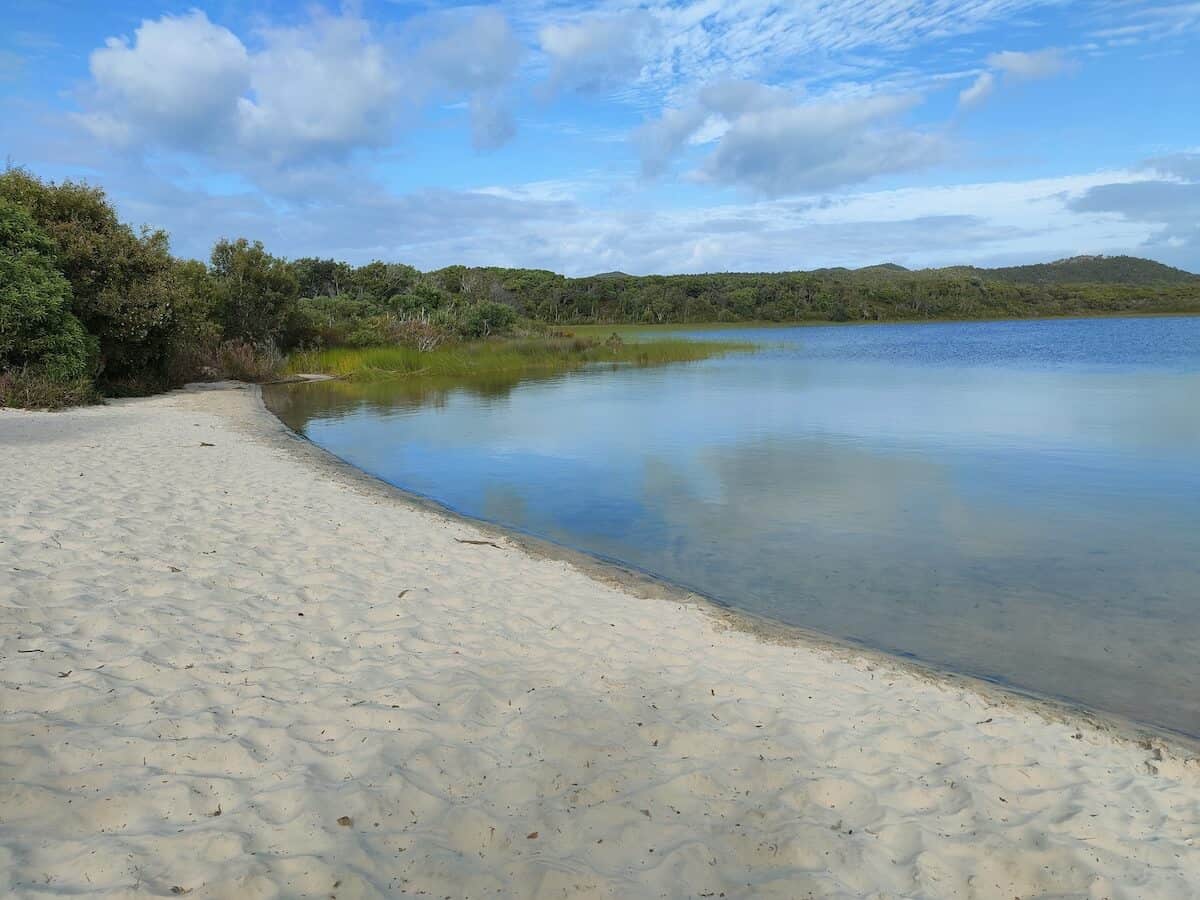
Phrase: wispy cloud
pixel 1014 65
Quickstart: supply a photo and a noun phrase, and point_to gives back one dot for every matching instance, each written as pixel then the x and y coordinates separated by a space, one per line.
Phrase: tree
pixel 37 328
pixel 255 290
pixel 321 277
pixel 377 281
pixel 121 282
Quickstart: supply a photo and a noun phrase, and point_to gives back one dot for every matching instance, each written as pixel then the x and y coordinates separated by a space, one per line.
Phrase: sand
pixel 228 668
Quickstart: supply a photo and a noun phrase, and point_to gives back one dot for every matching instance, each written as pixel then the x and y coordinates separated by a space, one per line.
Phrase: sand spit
pixel 229 671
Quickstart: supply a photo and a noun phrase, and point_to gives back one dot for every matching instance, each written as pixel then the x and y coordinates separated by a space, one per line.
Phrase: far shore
pixel 593 329
pixel 235 666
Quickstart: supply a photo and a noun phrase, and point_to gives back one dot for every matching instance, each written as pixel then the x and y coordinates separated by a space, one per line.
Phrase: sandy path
pixel 237 646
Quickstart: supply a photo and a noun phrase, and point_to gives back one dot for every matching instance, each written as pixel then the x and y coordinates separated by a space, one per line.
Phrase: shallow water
pixel 1015 500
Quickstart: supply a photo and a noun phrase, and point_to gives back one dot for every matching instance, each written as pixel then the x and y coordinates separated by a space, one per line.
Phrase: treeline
pixel 88 304
pixel 830 295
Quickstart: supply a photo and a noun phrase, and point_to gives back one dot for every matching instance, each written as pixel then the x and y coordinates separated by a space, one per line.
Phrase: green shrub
pixel 38 333
pixel 193 353
pixel 121 282
pixel 487 319
pixel 255 291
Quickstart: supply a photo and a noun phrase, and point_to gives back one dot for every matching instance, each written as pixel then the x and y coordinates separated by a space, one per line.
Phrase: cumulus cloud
pixel 1185 165
pixel 597 52
pixel 319 89
pixel 1170 205
pixel 178 82
pixel 774 145
pixel 474 53
pixel 660 140
pixel 478 56
pixel 719 103
pixel 819 146
pixel 307 93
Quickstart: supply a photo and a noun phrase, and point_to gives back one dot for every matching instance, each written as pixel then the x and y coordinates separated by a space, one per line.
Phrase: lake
pixel 1018 501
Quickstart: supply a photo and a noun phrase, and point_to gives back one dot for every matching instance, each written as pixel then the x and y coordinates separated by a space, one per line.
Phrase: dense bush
pixel 121 283
pixel 488 318
pixel 255 291
pixel 39 336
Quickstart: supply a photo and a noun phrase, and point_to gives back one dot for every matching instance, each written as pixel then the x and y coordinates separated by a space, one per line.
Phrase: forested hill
pixel 1087 270
pixel 1077 286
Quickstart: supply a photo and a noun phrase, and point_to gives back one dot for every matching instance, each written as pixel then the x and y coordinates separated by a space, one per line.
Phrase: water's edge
pixel 648 585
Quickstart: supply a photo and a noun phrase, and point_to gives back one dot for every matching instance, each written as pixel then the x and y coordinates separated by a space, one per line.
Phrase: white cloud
pixel 819 146
pixel 307 93
pixel 981 88
pixel 597 52
pixel 1029 65
pixel 323 88
pixel 698 41
pixel 660 140
pixel 1013 65
pixel 477 52
pixel 477 55
pixel 1167 201
pixel 774 145
pixel 178 82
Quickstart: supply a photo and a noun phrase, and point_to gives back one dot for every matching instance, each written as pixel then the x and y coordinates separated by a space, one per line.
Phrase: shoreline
pixel 649 586
pixel 260 642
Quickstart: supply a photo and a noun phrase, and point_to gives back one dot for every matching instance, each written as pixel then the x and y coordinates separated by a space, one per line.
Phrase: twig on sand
pixel 487 543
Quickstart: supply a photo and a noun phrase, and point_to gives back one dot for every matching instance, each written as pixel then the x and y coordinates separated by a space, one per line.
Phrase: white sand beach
pixel 232 668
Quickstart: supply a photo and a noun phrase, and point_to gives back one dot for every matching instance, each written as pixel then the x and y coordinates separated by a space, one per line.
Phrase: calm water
pixel 1015 500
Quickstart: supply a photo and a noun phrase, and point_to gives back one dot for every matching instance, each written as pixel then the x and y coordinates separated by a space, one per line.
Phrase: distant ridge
pixel 1082 270
pixel 1127 270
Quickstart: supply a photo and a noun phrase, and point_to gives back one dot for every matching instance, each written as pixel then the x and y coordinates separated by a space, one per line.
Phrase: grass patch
pixel 32 390
pixel 501 356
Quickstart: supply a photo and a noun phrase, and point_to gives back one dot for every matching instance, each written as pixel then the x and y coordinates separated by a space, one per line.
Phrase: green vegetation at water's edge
pixel 90 306
pixel 510 357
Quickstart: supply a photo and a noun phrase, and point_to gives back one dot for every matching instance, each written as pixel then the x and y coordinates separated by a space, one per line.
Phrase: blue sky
pixel 647 137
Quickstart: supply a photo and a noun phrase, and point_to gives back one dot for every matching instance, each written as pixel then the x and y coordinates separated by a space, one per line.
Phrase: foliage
pixel 38 332
pixel 121 284
pixel 488 318
pixel 254 290
pixel 194 340
pixel 1087 270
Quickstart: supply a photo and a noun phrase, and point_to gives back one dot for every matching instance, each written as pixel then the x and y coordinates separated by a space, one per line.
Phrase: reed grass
pixel 512 356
